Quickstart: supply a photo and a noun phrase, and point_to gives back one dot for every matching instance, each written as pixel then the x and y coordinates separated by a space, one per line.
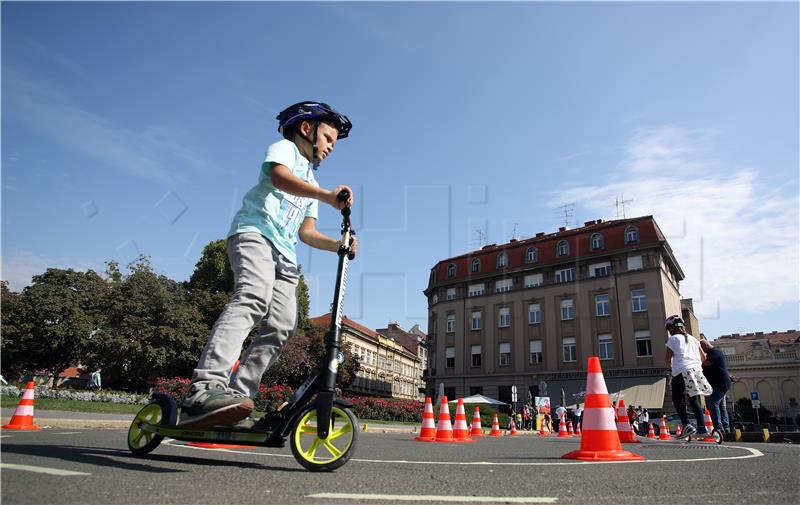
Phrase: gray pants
pixel 264 291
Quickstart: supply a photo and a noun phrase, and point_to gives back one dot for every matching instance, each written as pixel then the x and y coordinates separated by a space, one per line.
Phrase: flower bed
pixel 78 394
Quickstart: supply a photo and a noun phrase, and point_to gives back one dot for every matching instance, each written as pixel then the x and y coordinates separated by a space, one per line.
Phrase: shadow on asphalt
pixel 107 458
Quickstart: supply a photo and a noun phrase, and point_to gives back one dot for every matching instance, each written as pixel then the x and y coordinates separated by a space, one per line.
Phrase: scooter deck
pixel 221 435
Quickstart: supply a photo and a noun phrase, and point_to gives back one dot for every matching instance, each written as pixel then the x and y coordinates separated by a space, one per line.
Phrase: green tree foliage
pixel 301 354
pixel 151 330
pixel 13 326
pixel 303 306
pixel 213 271
pixel 58 313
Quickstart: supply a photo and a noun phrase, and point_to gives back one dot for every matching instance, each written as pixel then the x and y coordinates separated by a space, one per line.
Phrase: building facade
pixel 388 368
pixel 768 363
pixel 529 313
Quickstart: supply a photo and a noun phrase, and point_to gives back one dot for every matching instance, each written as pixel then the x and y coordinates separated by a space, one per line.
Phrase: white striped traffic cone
pixel 23 416
pixel 427 432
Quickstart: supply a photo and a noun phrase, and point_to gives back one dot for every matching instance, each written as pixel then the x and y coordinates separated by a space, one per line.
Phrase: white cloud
pixel 735 239
pixel 19 267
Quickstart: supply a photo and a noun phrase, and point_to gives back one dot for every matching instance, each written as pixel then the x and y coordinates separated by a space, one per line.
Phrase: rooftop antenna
pixel 481 238
pixel 567 210
pixel 620 201
pixel 514 233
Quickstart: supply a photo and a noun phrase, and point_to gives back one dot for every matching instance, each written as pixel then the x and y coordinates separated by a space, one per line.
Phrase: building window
pixel 451 270
pixel 476 265
pixel 570 350
pixel 536 352
pixel 451 293
pixel 433 276
pixel 597 242
pixel 631 235
pixel 531 255
pixel 565 275
pixel 534 313
pixel 502 260
pixel 533 280
pixel 475 390
pixel 600 269
pixel 505 354
pixel 567 310
pixel 451 323
pixel 638 300
pixel 562 249
pixel 476 355
pixel 476 320
pixel 503 285
pixel 476 289
pixel 605 346
pixel 450 357
pixel 643 346
pixel 505 317
pixel 634 263
pixel 434 299
pixel 602 306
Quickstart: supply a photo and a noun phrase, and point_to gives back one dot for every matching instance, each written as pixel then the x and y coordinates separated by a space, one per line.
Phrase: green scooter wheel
pixel 320 455
pixel 161 410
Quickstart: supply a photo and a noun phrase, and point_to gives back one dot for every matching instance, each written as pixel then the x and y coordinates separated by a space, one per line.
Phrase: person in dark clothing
pixel 715 368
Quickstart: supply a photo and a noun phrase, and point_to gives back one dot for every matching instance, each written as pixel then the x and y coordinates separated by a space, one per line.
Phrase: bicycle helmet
pixel 291 116
pixel 673 322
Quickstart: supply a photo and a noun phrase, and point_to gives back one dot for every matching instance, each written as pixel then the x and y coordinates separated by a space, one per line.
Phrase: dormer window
pixel 597 242
pixel 451 270
pixel 532 255
pixel 631 235
pixel 562 249
pixel 502 260
pixel 476 265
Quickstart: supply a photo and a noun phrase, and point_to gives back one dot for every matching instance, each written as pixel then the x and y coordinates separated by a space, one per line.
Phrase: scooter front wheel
pixel 320 455
pixel 161 410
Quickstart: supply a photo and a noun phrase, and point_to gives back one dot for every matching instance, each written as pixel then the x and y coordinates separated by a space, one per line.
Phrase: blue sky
pixel 138 127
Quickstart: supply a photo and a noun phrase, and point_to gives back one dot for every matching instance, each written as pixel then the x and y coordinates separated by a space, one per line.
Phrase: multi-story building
pixel 414 341
pixel 768 363
pixel 387 369
pixel 529 313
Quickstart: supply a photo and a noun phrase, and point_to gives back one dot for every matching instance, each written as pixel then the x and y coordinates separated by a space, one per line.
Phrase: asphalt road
pixel 496 470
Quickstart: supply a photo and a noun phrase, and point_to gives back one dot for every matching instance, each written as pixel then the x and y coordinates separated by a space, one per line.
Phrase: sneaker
pixel 210 403
pixel 688 430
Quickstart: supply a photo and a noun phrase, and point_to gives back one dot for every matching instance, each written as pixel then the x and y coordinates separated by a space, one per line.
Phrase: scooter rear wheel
pixel 161 410
pixel 320 455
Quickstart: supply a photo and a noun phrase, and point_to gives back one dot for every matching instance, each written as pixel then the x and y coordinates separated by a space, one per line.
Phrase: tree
pixel 13 327
pixel 151 330
pixel 213 271
pixel 60 311
pixel 303 305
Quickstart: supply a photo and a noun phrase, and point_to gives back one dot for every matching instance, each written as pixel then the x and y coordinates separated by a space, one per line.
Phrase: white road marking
pixel 67 433
pixel 42 469
pixel 753 453
pixel 459 499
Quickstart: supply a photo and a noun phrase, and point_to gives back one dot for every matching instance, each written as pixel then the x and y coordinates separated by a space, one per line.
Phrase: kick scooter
pixel 715 437
pixel 322 430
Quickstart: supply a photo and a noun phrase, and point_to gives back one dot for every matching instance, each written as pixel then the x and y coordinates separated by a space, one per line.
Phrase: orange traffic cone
pixel 513 428
pixel 427 433
pixel 708 423
pixel 461 430
pixel 444 430
pixel 678 431
pixel 562 427
pixel 600 440
pixel 663 432
pixel 569 429
pixel 651 434
pixel 624 428
pixel 578 429
pixel 543 429
pixel 23 416
pixel 495 428
pixel 475 429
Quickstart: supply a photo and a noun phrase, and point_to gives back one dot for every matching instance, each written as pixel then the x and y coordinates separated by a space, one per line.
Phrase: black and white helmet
pixel 673 322
pixel 291 116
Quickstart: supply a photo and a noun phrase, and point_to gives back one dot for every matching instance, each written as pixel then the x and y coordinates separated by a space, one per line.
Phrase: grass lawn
pixel 73 405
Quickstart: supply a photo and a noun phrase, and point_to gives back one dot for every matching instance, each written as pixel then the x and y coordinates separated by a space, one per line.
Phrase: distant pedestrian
pixel 644 421
pixel 577 414
pixel 561 412
pixel 95 381
pixel 685 357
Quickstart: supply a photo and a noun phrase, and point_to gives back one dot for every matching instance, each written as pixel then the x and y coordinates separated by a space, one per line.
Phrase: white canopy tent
pixel 480 399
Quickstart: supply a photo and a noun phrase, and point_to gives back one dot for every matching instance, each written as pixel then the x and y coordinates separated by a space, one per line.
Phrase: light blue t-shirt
pixel 271 212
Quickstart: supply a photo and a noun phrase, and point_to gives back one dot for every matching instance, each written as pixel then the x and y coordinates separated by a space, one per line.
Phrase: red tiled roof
pixel 579 245
pixel 774 338
pixel 325 321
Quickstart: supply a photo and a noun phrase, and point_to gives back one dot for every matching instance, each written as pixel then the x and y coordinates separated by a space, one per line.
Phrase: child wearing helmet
pixel 685 357
pixel 280 209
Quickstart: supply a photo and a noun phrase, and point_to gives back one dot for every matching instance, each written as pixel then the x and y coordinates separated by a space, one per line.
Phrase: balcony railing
pixel 766 358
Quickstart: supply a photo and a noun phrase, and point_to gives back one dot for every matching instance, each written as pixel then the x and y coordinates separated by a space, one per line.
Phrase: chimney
pixel 599 221
pixel 540 234
pixel 563 228
pixel 589 223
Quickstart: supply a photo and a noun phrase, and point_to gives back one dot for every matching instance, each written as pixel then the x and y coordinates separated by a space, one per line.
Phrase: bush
pixel 79 394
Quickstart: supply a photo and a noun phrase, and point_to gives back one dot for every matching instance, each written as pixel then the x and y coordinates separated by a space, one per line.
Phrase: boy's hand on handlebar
pixel 332 197
pixel 353 245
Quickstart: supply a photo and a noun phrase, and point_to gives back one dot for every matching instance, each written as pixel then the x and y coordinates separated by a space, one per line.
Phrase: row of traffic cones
pixel 444 431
